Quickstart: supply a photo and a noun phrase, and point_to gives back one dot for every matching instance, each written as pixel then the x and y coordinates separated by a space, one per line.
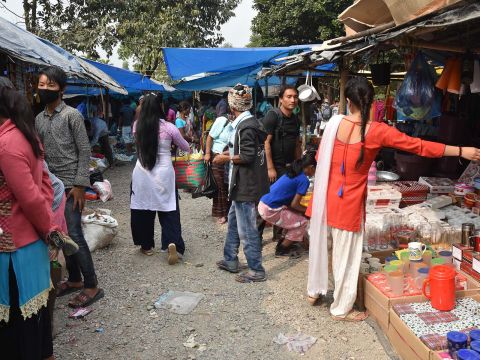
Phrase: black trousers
pixel 142 223
pixel 29 339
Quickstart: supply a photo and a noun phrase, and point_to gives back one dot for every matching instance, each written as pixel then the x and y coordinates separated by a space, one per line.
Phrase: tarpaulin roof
pixel 183 62
pixel 132 81
pixel 245 76
pixel 25 46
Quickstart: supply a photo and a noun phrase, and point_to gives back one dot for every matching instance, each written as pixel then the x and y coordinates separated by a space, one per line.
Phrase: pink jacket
pixel 26 192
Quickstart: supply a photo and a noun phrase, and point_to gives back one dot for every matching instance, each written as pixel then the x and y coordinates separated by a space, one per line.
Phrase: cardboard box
pixel 438 185
pixel 382 196
pixel 379 305
pixel 404 341
pixel 412 192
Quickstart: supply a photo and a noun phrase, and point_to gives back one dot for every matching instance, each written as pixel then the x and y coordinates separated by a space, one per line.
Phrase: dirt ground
pixel 234 321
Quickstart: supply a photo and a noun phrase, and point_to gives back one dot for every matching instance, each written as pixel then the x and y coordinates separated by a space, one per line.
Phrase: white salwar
pixel 347 245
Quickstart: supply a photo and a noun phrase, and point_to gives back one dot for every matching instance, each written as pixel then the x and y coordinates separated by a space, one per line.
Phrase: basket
pixel 189 173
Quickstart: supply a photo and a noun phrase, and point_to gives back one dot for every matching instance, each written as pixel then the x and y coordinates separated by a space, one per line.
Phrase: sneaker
pixel 64 242
pixel 172 254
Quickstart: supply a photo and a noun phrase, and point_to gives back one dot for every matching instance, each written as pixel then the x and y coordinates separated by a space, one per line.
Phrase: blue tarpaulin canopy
pixel 132 81
pixel 212 68
pixel 184 62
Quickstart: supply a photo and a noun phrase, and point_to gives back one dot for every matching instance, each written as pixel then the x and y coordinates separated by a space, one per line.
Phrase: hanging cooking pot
pixel 380 72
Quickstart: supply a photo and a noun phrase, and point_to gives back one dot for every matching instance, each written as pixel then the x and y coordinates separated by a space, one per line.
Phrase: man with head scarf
pixel 248 181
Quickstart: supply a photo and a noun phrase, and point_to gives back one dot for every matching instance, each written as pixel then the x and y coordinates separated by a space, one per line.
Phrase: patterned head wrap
pixel 240 98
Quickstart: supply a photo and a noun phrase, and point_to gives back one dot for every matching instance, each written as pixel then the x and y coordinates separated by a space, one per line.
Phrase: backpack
pixel 279 133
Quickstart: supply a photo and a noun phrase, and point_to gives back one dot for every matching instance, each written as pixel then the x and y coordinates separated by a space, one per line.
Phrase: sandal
pixel 83 300
pixel 312 300
pixel 289 251
pixel 172 254
pixel 222 220
pixel 148 252
pixel 64 288
pixel 352 316
pixel 248 277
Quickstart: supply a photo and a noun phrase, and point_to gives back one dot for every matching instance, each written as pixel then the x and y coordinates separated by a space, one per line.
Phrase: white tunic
pixel 155 189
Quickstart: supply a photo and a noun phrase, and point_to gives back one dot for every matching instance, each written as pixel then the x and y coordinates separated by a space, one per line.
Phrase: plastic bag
pixel 209 186
pixel 99 230
pixel 416 98
pixel 103 189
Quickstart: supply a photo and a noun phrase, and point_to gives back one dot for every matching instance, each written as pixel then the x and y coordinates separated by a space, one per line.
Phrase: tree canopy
pixel 140 27
pixel 293 22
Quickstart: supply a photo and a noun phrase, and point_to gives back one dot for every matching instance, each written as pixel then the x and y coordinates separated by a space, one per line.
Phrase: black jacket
pixel 249 180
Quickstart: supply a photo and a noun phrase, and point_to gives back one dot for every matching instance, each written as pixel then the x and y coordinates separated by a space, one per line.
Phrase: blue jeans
pixel 242 226
pixel 80 263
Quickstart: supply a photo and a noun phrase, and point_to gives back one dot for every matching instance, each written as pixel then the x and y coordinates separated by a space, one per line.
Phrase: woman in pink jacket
pixel 25 219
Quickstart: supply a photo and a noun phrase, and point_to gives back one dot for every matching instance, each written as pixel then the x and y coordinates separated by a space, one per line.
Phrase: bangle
pixel 459 151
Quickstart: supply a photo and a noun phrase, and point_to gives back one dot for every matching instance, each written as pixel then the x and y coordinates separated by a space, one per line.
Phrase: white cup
pixel 416 250
pixel 364 268
pixel 373 260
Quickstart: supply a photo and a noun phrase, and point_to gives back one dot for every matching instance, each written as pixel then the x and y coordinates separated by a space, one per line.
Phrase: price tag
pixel 476 265
pixel 457 253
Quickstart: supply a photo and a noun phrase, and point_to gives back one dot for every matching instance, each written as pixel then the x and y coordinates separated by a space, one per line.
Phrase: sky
pixel 236 31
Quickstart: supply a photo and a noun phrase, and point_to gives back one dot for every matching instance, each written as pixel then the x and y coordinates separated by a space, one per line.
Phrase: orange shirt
pixel 346 212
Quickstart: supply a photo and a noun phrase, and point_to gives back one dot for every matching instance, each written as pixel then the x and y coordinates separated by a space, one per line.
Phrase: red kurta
pixel 346 212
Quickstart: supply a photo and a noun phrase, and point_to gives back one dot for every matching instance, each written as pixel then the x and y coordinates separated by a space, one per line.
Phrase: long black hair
pixel 298 165
pixel 360 92
pixel 148 126
pixel 16 107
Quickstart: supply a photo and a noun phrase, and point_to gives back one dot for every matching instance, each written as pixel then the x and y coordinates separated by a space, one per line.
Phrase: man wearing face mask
pixel 67 151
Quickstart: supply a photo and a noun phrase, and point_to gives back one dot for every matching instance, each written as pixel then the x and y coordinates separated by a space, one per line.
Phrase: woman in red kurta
pixel 354 142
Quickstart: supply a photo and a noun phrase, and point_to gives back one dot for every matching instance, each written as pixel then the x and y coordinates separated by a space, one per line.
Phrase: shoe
pixel 290 251
pixel 64 242
pixel 222 264
pixel 172 254
pixel 251 276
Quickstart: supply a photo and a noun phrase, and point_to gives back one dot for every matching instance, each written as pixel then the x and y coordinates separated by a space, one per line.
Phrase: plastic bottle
pixel 372 174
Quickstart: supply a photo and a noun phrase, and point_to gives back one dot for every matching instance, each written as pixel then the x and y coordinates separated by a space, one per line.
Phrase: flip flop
pixel 352 316
pixel 148 252
pixel 63 288
pixel 83 300
pixel 312 300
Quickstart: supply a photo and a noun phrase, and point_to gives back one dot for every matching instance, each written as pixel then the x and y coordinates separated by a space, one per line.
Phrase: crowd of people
pixel 261 175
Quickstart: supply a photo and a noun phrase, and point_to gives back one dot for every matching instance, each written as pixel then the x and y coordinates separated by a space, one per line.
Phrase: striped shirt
pixel 65 140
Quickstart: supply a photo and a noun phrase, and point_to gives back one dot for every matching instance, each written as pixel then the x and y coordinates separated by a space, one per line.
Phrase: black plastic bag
pixel 209 186
pixel 96 176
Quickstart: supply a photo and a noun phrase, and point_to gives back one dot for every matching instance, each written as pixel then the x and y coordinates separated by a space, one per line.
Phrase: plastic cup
pixel 414 266
pixel 438 261
pixel 447 255
pixel 475 334
pixel 396 282
pixel 422 274
pixel 427 257
pixel 398 263
pixel 373 260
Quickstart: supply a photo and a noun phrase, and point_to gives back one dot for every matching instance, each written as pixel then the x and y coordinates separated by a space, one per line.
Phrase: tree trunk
pixel 26 14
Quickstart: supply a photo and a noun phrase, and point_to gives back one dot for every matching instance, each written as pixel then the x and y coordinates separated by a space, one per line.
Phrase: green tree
pixel 75 25
pixel 149 25
pixel 295 22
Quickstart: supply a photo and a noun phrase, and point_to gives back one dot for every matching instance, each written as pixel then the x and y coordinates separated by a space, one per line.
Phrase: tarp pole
pixel 304 125
pixel 342 107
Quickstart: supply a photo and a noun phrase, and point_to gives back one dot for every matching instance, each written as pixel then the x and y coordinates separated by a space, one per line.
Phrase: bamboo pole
pixel 361 34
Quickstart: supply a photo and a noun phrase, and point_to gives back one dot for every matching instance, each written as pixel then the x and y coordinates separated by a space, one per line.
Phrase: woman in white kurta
pixel 153 182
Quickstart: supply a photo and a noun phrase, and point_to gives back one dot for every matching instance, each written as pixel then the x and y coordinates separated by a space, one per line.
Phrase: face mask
pixel 47 96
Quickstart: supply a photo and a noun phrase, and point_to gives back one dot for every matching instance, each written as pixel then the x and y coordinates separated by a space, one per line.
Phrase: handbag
pixel 189 173
pixel 208 187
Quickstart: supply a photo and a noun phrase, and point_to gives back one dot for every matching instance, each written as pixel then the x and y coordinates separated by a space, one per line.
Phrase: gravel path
pixel 235 321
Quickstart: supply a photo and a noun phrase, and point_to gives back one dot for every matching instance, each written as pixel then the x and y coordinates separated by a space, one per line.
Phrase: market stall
pixel 420 272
